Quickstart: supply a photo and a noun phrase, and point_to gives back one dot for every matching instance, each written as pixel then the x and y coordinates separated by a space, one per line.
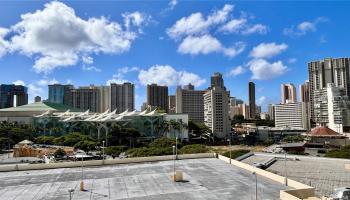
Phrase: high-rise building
pixel 305 103
pixel 252 109
pixel 190 101
pixel 122 97
pixel 157 97
pixel 288 93
pixel 271 111
pixel 13 95
pixel 172 104
pixel 329 70
pixel 37 99
pixel 60 94
pixel 216 107
pixel 216 80
pixel 87 98
pixel 338 108
pixel 144 106
pixel 288 115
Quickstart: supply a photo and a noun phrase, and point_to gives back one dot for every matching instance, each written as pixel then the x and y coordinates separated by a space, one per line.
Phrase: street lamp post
pixel 174 156
pixel 285 168
pixel 256 185
pixel 230 148
pixel 103 152
pixel 176 147
pixel 82 173
pixel 70 193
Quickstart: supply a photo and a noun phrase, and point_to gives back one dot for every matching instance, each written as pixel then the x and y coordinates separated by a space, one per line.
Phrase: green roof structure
pixel 41 106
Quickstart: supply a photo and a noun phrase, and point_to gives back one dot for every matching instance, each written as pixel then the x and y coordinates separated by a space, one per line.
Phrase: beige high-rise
pixel 288 93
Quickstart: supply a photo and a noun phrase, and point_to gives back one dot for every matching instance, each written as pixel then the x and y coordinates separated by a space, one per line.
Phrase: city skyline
pixel 245 43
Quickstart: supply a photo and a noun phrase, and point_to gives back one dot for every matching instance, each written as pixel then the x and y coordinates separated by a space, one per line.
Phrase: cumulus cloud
pixel 167 75
pixel 196 23
pixel 119 76
pixel 236 71
pixel 56 37
pixel 172 4
pixel 207 44
pixel 195 33
pixel 264 70
pixel 91 68
pixel 261 100
pixel 3 42
pixel 241 26
pixel 268 50
pixel 19 82
pixel 304 27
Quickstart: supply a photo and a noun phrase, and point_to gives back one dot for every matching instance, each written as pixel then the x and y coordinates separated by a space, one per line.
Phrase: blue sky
pixel 169 42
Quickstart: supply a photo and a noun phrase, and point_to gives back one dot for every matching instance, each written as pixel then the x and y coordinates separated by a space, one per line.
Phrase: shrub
pixel 164 142
pixel 150 151
pixel 194 148
pixel 342 153
pixel 115 150
pixel 236 153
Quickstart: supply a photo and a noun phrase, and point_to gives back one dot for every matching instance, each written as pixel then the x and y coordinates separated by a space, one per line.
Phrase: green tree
pixel 59 153
pixel 45 140
pixel 86 145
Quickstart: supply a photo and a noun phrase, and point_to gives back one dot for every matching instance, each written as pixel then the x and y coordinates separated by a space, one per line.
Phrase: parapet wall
pixel 300 191
pixel 23 167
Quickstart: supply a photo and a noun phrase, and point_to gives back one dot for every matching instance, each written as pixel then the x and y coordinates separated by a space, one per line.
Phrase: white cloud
pixel 167 75
pixel 233 26
pixel 135 19
pixel 257 28
pixel 261 100
pixel 196 23
pixel 242 27
pixel 87 60
pixel 172 4
pixel 304 27
pixel 56 37
pixel 19 82
pixel 264 70
pixel 268 50
pixel 46 82
pixel 3 42
pixel 91 68
pixel 119 76
pixel 236 71
pixel 207 44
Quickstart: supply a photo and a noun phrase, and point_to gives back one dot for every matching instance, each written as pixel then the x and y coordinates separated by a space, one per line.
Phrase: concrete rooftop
pixel 204 179
pixel 325 174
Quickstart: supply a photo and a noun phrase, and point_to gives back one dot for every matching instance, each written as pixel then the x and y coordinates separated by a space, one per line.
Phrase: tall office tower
pixel 245 110
pixel 232 101
pixel 216 108
pixel 37 99
pixel 172 104
pixel 191 102
pixel 321 73
pixel 122 97
pixel 305 103
pixel 13 95
pixel 157 97
pixel 105 98
pixel 60 94
pixel 252 108
pixel 288 115
pixel 87 98
pixel 288 93
pixel 257 110
pixel 216 80
pixel 271 111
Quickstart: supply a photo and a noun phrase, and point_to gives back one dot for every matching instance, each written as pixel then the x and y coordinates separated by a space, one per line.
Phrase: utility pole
pixel 103 152
pixel 174 156
pixel 256 185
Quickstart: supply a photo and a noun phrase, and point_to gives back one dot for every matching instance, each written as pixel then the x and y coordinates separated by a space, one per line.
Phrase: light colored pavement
pixel 325 174
pixel 205 179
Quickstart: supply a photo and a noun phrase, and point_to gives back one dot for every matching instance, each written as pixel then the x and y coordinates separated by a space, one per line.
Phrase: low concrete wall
pixel 22 167
pixel 300 191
